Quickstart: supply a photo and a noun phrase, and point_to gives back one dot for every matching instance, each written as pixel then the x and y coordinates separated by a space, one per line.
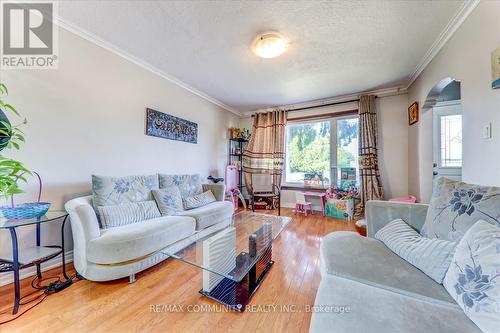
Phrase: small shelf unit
pixel 235 156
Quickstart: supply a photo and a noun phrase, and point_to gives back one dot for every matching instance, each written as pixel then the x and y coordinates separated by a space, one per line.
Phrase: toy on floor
pixel 409 199
pixel 232 191
pixel 301 205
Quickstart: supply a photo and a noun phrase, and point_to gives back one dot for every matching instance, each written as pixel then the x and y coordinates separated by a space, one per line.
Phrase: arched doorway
pixel 444 102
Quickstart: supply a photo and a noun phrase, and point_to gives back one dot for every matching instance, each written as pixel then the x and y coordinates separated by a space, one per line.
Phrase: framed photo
pixel 495 68
pixel 413 114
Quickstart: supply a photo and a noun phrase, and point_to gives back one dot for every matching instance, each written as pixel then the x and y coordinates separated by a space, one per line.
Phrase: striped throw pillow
pixel 431 256
pixel 199 200
pixel 127 213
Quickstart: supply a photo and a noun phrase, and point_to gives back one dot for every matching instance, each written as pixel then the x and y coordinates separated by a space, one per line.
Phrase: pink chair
pixel 301 205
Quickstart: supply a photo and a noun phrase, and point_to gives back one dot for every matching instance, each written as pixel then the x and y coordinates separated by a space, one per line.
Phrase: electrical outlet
pixel 487 131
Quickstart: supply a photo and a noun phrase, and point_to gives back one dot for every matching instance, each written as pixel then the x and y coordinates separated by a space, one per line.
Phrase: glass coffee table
pixel 235 259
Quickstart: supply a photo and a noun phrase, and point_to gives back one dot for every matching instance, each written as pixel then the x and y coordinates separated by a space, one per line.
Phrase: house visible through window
pixel 323 150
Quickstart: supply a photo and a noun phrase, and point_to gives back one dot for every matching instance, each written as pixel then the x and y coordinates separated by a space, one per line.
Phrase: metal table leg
pixel 15 269
pixel 63 254
pixel 38 268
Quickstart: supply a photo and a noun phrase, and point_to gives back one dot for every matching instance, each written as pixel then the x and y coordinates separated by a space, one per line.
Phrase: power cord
pixel 47 290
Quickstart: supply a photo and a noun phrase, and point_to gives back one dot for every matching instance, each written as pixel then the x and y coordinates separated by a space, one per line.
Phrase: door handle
pixel 434 173
pixel 434 165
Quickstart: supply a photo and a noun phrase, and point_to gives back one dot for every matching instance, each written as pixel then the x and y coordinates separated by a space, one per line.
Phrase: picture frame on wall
pixel 495 68
pixel 413 114
pixel 166 126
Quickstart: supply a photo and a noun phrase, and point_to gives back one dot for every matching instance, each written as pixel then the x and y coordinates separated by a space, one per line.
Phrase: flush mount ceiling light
pixel 269 45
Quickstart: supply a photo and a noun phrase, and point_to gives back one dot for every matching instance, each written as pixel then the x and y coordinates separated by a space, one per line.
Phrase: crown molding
pixel 452 26
pixel 386 92
pixel 145 65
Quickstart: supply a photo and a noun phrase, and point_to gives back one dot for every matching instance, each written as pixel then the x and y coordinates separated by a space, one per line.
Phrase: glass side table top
pixel 232 251
pixel 48 217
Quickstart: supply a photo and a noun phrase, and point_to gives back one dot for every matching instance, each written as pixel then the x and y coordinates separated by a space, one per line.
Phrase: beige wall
pixel 393 143
pixel 87 117
pixel 465 57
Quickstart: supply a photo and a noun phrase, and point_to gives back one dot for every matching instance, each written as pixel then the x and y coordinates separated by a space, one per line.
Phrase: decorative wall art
pixel 495 68
pixel 165 126
pixel 413 114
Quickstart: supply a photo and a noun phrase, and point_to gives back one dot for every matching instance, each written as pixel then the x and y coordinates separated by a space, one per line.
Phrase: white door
pixel 447 139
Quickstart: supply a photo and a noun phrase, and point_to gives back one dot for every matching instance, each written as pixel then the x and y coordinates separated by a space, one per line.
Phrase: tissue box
pixel 341 209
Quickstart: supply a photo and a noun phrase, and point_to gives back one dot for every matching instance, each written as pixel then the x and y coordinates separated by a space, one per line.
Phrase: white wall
pixel 87 117
pixel 392 123
pixel 465 57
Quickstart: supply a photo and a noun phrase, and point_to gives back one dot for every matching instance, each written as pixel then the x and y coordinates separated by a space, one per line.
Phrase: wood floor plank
pixel 118 306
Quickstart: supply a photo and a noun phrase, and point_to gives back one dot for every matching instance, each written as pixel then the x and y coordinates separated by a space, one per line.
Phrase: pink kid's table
pixel 320 195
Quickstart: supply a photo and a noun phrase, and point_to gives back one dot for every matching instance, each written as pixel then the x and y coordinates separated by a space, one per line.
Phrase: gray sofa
pixel 108 254
pixel 367 288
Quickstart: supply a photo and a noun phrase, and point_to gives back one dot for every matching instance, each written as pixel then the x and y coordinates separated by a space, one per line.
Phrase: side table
pixel 35 255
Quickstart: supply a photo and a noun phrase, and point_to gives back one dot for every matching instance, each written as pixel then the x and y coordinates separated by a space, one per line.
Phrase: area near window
pixel 322 152
pixel 451 141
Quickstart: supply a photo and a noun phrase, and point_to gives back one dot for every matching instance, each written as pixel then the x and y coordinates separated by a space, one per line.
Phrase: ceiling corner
pixel 145 65
pixel 452 26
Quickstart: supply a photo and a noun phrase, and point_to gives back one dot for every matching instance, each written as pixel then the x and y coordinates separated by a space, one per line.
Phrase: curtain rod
pixel 323 105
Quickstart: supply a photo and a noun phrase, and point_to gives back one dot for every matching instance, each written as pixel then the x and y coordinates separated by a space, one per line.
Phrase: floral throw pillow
pixel 473 278
pixel 110 191
pixel 455 206
pixel 189 185
pixel 169 200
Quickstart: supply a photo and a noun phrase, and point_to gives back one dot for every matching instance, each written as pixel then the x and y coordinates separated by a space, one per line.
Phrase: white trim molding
pixel 8 278
pixel 339 99
pixel 145 65
pixel 448 31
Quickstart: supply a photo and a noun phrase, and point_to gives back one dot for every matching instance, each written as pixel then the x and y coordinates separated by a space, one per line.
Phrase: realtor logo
pixel 28 35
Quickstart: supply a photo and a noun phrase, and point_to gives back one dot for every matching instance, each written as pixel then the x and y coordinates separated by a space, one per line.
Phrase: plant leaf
pixel 11 108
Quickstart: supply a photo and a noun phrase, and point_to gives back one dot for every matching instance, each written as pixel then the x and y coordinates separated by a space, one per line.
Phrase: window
pixel 451 141
pixel 322 149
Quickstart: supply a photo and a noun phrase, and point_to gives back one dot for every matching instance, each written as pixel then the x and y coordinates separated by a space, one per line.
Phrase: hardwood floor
pixel 122 307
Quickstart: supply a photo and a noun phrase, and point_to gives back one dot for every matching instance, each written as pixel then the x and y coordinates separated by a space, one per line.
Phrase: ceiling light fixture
pixel 269 45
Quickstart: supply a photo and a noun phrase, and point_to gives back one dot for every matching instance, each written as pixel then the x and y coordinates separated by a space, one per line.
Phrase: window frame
pixel 333 145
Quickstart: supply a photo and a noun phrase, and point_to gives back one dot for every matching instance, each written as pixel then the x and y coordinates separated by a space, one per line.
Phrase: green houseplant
pixel 11 137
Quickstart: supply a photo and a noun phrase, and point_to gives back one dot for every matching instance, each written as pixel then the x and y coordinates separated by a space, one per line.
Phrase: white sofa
pixel 365 287
pixel 114 253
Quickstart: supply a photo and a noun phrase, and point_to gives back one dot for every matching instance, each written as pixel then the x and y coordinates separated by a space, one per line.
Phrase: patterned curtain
pixel 264 154
pixel 371 186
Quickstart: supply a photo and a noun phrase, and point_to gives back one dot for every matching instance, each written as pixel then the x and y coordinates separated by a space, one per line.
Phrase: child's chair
pixel 301 205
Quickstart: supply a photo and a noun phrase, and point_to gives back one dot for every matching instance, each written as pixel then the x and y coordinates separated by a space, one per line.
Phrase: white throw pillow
pixel 431 256
pixel 199 200
pixel 473 278
pixel 127 213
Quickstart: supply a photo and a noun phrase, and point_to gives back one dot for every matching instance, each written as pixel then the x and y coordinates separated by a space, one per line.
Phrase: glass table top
pixel 232 251
pixel 48 217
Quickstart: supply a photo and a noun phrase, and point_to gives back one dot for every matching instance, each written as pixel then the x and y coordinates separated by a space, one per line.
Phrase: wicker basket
pixel 26 210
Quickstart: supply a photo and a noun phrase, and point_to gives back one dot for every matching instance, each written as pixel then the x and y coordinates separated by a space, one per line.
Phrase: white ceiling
pixel 337 47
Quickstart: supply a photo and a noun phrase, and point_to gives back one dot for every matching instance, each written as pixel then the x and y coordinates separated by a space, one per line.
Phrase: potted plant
pixel 12 171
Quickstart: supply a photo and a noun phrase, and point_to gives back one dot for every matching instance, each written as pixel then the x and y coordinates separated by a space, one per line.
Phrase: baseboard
pixel 7 278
